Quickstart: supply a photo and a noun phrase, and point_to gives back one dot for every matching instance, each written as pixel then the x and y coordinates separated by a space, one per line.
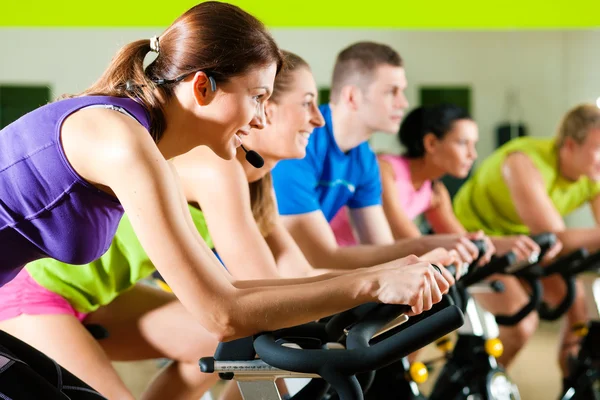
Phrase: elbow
pixel 226 322
pixel 225 328
pixel 225 332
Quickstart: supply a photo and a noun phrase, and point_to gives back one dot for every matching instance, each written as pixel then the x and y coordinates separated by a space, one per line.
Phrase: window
pixel 16 101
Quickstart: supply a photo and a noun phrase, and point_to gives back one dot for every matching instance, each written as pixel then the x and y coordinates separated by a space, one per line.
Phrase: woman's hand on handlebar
pixel 523 246
pixel 444 258
pixel 418 284
pixel 461 243
pixel 490 249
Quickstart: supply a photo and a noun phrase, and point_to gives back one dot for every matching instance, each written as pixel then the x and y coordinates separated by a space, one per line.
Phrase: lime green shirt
pixel 89 286
pixel 484 201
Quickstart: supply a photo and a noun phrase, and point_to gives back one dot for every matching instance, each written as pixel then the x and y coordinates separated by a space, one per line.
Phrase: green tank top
pixel 89 286
pixel 484 201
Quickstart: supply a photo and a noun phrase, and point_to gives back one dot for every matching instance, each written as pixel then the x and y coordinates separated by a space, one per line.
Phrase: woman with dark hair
pixel 69 169
pixel 438 140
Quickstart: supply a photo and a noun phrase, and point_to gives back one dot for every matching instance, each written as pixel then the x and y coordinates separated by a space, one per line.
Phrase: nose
pixel 473 153
pixel 317 119
pixel 258 121
pixel 401 101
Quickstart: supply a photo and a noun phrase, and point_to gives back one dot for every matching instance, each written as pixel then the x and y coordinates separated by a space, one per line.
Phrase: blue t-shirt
pixel 327 178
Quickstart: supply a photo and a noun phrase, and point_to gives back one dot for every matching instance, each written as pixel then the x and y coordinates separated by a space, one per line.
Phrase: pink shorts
pixel 23 295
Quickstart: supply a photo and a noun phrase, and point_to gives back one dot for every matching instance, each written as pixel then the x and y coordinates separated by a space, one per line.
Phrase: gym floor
pixel 535 371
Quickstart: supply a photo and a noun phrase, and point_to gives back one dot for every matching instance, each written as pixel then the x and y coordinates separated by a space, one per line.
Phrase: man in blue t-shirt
pixel 340 169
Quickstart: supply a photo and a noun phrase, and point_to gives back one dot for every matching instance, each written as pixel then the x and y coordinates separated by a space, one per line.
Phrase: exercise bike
pixel 332 353
pixel 471 370
pixel 583 382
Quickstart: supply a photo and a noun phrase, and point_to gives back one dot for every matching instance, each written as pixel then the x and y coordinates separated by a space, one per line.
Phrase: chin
pixel 299 154
pixel 461 174
pixel 390 130
pixel 226 153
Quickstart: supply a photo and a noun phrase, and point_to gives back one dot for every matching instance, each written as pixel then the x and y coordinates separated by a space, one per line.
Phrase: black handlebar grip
pixel 590 263
pixel 359 359
pixel 545 241
pixel 362 332
pixel 338 323
pixel 565 264
pixel 498 264
pixel 481 249
pixel 567 267
pixel 548 313
pixel 534 302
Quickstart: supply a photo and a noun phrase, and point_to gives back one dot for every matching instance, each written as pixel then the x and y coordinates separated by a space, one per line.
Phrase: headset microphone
pixel 254 158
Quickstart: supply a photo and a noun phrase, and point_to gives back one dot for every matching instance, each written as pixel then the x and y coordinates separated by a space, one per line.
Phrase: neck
pixel 565 166
pixel 174 140
pixel 254 174
pixel 348 130
pixel 421 171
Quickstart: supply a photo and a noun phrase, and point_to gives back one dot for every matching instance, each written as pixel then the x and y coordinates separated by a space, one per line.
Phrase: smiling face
pixel 237 107
pixel 291 119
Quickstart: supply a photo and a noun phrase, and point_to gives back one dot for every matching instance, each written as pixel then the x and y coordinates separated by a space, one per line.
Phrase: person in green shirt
pixel 527 186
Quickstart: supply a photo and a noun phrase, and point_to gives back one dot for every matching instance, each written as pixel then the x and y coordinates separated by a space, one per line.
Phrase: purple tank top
pixel 46 208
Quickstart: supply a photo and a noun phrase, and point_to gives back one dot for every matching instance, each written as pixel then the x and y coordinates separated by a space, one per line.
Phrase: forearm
pixel 277 306
pixel 363 256
pixel 261 283
pixel 404 230
pixel 245 265
pixel 572 239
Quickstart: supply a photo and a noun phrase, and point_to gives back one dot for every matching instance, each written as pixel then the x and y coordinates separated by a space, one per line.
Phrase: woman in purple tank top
pixel 70 168
pixel 438 141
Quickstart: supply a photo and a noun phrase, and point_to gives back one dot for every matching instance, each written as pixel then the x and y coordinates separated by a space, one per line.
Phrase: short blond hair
pixel 577 123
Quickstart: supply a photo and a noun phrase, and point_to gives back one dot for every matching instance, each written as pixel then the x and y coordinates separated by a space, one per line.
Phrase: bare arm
pixel 535 208
pixel 441 216
pixel 113 152
pixel 595 205
pixel 371 225
pixel 315 238
pixel 220 187
pixel 400 224
pixel 290 260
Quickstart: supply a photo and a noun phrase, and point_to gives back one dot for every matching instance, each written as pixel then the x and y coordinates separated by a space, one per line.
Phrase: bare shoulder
pixel 519 166
pixel 385 167
pixel 99 141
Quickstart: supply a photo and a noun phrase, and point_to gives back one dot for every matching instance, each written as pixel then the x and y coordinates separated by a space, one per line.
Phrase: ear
pixel 351 96
pixel 570 143
pixel 270 110
pixel 430 142
pixel 203 92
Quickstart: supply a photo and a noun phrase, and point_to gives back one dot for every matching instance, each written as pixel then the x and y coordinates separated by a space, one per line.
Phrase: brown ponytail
pixel 218 38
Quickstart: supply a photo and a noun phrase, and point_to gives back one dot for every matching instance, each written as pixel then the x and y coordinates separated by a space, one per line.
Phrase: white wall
pixel 552 70
pixel 582 83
